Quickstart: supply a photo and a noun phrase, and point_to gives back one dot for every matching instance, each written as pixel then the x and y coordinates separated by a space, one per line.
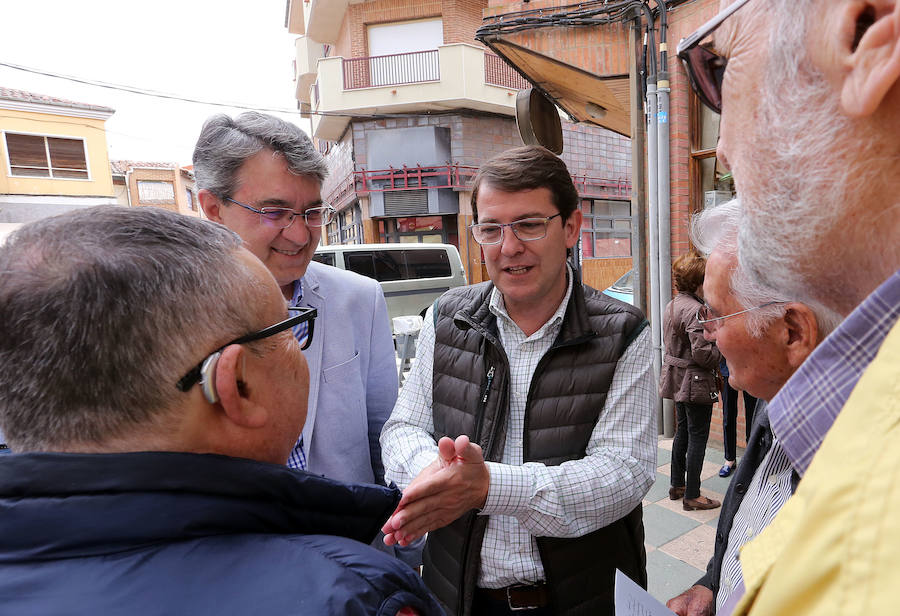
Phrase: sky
pixel 231 51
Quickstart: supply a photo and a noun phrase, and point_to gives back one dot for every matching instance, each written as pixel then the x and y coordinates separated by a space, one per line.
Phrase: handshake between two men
pixel 456 482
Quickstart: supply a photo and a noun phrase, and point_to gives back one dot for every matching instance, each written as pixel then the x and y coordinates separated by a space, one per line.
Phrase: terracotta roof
pixel 43 99
pixel 121 167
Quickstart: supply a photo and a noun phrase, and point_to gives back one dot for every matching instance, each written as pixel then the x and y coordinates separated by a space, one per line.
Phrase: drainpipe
pixel 128 184
pixel 638 169
pixel 654 311
pixel 665 243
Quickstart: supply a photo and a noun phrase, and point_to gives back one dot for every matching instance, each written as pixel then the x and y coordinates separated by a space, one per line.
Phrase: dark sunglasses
pixel 307 317
pixel 705 68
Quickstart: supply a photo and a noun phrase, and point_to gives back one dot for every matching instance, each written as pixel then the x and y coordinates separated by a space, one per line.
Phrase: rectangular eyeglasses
pixel 306 316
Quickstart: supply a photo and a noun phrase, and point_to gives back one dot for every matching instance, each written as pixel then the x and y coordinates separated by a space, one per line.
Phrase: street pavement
pixel 679 543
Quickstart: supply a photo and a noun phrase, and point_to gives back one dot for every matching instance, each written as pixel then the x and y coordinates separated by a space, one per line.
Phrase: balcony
pixel 308 54
pixel 457 76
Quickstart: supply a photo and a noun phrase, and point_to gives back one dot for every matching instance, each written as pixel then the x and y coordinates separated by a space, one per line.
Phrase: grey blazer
pixel 353 375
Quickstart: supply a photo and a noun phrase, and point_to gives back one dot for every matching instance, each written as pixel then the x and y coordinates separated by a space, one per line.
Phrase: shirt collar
pixel 298 292
pixel 498 307
pixel 802 412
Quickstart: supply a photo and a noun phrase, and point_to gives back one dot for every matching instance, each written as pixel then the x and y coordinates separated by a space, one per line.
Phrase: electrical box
pixel 712 198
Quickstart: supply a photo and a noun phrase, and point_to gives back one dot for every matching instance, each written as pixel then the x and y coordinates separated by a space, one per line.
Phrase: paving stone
pixel 663 456
pixel 662 525
pixel 667 576
pixel 659 490
pixel 716 483
pixel 695 547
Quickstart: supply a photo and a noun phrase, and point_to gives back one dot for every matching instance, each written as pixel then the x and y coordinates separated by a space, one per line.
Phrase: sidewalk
pixel 680 543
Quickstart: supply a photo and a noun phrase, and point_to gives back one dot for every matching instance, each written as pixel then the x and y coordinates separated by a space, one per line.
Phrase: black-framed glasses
pixel 283 217
pixel 526 229
pixel 710 322
pixel 306 316
pixel 705 68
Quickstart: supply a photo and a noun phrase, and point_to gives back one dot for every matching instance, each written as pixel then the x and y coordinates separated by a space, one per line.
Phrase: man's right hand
pixel 695 601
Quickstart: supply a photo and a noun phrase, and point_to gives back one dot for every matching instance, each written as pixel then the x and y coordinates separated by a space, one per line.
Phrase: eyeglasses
pixel 527 230
pixel 710 322
pixel 706 68
pixel 307 316
pixel 283 217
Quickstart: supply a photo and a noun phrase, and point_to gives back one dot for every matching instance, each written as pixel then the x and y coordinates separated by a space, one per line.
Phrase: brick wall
pixel 596 152
pixel 682 22
pixel 461 19
pixel 384 11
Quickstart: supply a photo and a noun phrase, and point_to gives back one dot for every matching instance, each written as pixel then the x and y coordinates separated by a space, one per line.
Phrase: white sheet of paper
pixel 632 600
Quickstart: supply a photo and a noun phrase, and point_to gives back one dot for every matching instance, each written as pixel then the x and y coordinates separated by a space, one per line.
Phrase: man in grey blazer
pixel 261 177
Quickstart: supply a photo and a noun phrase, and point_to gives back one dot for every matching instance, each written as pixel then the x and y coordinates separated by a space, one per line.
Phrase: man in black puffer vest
pixel 525 436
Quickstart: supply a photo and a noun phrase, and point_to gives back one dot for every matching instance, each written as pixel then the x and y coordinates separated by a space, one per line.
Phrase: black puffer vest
pixel 567 393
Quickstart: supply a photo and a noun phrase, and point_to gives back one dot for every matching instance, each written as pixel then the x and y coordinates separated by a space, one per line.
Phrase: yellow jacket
pixel 834 548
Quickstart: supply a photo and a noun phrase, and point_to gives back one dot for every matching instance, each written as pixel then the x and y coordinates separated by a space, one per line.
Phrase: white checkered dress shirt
pixel 528 500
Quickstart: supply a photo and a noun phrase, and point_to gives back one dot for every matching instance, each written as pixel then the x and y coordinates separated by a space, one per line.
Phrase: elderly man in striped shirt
pixel 764 337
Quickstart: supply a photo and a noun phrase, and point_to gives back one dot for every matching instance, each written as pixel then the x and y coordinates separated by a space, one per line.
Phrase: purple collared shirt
pixel 804 409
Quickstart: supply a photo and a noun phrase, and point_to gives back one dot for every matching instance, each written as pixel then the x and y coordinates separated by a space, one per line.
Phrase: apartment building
pixel 159 184
pixel 54 155
pixel 406 104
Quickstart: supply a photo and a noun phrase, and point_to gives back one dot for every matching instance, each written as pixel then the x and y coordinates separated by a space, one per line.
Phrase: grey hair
pixel 797 190
pixel 716 229
pixel 225 144
pixel 102 311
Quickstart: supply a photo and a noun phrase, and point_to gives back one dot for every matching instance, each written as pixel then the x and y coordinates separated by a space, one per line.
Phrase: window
pixel 605 228
pixel 155 192
pixel 346 228
pixel 387 265
pixel 419 229
pixel 190 200
pixel 46 157
pixel 325 258
pixel 709 180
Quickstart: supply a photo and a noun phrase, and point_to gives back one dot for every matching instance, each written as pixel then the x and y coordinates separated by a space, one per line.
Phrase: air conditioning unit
pixel 712 198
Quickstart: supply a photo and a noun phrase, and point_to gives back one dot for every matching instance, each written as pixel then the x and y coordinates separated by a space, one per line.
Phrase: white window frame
pixel 87 158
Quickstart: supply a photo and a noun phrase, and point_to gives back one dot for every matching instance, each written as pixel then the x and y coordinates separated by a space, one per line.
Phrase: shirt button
pixel 727 583
pixel 749 532
pixel 773 479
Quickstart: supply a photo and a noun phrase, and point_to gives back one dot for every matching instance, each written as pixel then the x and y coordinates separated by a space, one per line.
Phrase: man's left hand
pixel 447 488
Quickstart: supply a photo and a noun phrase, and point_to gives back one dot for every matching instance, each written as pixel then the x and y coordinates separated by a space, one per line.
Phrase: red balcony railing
pixel 395 69
pixel 499 73
pixel 408 178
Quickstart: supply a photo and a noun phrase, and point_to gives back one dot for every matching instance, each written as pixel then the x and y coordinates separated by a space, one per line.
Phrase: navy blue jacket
pixel 176 533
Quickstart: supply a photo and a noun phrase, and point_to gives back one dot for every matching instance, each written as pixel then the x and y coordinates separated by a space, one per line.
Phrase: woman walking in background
pixel 689 378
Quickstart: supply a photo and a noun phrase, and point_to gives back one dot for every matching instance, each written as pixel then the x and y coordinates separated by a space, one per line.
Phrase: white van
pixel 412 276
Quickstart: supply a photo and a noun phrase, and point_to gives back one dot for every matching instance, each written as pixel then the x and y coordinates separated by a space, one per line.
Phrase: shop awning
pixel 603 100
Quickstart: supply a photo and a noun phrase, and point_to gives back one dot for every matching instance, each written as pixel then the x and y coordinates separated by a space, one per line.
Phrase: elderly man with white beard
pixel 811 130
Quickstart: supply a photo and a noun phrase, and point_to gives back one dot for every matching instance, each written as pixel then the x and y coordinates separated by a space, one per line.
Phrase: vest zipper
pixel 485 394
pixel 487 387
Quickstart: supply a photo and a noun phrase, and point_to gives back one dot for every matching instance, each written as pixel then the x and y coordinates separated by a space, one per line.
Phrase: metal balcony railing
pixel 499 73
pixel 395 69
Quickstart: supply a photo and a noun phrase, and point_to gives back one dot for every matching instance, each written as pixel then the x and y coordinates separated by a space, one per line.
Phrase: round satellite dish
pixel 538 120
